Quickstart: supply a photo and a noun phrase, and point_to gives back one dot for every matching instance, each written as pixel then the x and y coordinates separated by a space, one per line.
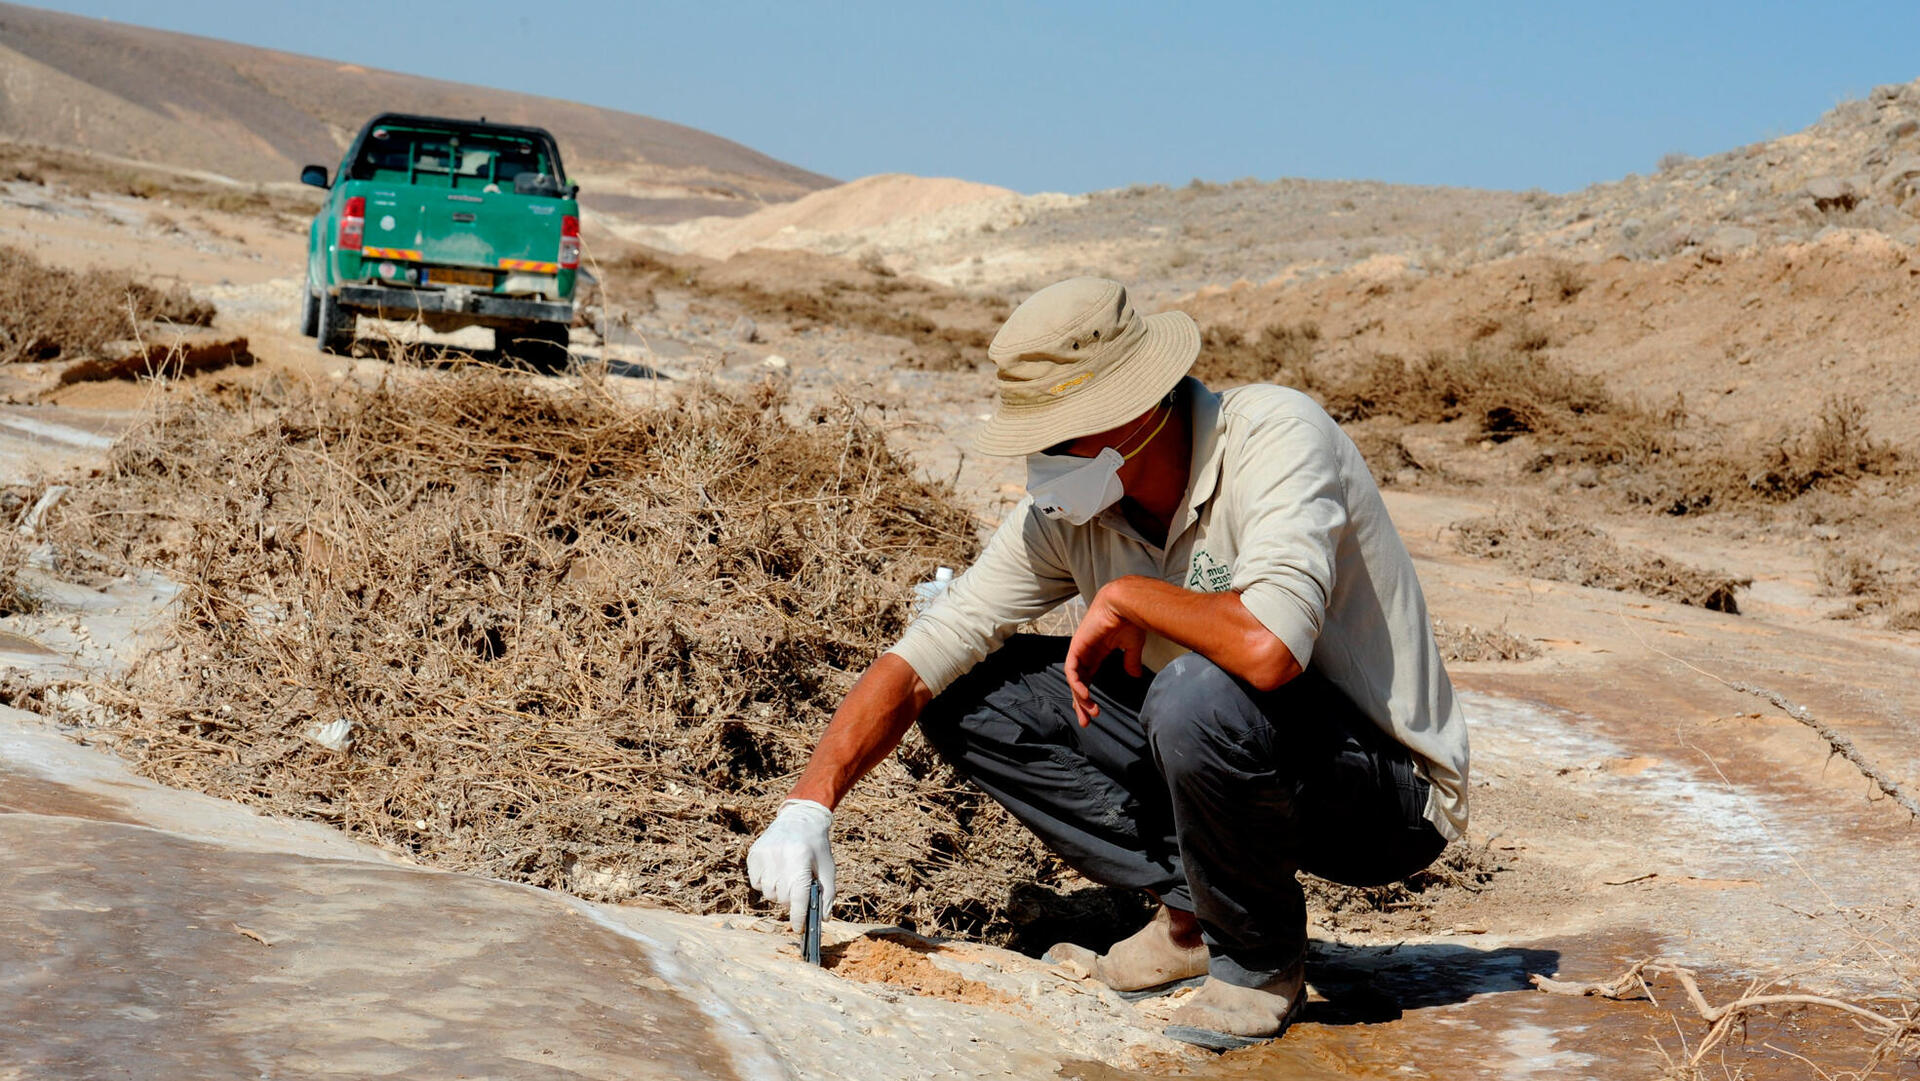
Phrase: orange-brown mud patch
pixel 892 961
pixel 26 793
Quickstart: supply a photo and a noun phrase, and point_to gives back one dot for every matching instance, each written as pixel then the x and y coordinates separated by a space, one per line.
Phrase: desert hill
pixel 833 220
pixel 1167 242
pixel 1751 283
pixel 1856 168
pixel 257 115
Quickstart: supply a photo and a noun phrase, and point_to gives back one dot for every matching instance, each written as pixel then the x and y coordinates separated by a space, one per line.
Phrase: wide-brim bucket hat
pixel 1075 359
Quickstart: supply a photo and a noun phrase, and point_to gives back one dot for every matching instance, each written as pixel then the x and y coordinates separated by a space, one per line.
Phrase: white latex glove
pixel 790 854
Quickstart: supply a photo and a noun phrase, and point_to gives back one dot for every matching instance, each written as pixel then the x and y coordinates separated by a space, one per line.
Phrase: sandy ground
pixel 1641 805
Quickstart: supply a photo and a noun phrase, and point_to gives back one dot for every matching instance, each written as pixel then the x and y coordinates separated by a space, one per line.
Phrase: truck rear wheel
pixel 540 346
pixel 309 310
pixel 335 326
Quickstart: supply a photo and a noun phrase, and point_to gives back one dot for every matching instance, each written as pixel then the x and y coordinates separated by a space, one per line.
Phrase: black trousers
pixel 1194 785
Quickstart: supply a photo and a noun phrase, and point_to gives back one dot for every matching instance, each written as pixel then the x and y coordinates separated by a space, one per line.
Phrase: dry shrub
pixel 578 643
pixel 1565 280
pixel 1526 334
pixel 1550 544
pixel 1503 385
pixel 1837 448
pixel 1465 642
pixel 1280 353
pixel 1460 868
pixel 1385 451
pixel 1835 452
pixel 54 313
pixel 1506 388
pixel 1850 574
pixel 945 330
pixel 15 597
pixel 1870 585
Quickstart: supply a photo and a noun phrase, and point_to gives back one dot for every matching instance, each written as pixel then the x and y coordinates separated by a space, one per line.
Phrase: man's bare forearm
pixel 865 729
pixel 1215 625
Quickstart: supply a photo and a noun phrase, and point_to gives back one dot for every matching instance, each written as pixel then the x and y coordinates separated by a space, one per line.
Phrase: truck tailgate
pixel 494 230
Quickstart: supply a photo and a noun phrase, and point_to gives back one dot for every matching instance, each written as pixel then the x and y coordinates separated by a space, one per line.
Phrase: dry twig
pixel 1900 1034
pixel 1840 743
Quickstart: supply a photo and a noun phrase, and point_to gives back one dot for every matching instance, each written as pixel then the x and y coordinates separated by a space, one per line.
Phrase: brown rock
pixel 1897 179
pixel 1832 193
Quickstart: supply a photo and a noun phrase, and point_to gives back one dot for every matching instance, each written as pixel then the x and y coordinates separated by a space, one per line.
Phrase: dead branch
pixel 1898 1033
pixel 1838 741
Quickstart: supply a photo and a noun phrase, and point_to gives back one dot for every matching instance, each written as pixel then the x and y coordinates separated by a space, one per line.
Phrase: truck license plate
pixel 452 276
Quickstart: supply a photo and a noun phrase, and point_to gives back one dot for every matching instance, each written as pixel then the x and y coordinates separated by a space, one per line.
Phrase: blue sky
pixel 1081 96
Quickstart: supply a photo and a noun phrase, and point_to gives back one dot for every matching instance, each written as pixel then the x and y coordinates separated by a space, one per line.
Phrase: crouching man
pixel 1253 691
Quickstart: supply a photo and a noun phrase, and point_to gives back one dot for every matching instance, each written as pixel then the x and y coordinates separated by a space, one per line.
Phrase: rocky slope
pixel 1858 167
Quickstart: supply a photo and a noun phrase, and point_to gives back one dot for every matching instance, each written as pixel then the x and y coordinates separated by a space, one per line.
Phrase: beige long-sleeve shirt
pixel 1279 508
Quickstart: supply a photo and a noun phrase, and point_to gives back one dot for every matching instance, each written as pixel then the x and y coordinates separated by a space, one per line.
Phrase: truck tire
pixel 309 310
pixel 540 346
pixel 335 326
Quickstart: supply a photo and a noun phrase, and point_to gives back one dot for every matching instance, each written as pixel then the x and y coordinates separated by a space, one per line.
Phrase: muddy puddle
pixel 1514 1033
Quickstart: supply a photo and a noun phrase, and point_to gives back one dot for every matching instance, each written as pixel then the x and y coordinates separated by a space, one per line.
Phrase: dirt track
pixel 1641 805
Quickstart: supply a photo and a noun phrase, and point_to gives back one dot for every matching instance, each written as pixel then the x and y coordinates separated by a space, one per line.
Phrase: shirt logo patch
pixel 1206 574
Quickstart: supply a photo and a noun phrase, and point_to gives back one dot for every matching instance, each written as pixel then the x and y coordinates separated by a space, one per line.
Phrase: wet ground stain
pixel 137 953
pixel 20 643
pixel 28 793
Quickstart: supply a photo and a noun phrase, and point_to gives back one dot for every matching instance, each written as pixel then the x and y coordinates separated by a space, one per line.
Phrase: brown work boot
pixel 1223 1016
pixel 1152 960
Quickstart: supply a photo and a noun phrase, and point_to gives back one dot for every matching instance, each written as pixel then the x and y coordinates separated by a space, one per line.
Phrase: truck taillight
pixel 569 242
pixel 353 223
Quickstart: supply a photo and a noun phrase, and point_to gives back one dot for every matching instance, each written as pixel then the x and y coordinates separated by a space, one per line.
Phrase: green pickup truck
pixel 455 223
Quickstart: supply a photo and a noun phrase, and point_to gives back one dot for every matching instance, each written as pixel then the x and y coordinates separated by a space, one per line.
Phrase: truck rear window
pixel 463 160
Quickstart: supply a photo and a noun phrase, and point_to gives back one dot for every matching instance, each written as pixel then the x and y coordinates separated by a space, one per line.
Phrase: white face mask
pixel 1063 486
pixel 1076 489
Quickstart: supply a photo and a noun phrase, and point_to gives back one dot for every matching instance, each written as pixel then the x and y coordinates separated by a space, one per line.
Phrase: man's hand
pixel 864 731
pixel 788 856
pixel 1102 631
pixel 1215 625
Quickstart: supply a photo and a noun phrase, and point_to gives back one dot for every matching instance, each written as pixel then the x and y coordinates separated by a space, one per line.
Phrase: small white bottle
pixel 926 593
